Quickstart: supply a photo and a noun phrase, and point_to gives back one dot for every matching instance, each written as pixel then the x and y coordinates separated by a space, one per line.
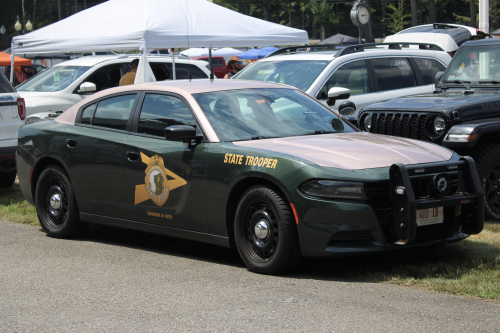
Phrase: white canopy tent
pixel 122 25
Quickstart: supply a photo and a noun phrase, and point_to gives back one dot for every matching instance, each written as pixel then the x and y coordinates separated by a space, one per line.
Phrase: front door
pixel 164 180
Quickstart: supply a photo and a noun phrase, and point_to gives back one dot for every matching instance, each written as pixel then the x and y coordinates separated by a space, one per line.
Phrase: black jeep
pixel 462 114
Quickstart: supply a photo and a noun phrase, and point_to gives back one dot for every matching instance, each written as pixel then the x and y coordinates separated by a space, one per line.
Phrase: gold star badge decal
pixel 157 187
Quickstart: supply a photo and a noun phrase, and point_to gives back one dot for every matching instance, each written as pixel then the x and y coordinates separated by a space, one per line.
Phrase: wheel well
pixel 37 170
pixel 489 138
pixel 234 198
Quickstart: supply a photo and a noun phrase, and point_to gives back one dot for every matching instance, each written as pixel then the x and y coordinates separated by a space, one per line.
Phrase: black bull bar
pixel 469 196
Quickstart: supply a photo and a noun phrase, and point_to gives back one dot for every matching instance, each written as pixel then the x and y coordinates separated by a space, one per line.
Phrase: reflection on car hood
pixel 358 150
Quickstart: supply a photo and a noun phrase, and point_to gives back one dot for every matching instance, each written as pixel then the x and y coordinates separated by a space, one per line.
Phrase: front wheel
pixel 56 204
pixel 487 158
pixel 265 232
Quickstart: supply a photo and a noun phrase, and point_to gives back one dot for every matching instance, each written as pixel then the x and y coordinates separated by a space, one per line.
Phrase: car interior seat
pixel 227 114
pixel 356 84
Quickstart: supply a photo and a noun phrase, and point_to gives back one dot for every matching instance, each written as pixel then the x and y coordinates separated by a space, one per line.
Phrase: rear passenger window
pixel 160 111
pixel 114 112
pixel 88 114
pixel 181 71
pixel 429 68
pixel 5 86
pixel 393 73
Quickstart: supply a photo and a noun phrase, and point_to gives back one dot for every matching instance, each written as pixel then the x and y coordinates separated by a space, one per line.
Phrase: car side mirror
pixel 337 93
pixel 347 108
pixel 437 78
pixel 183 133
pixel 87 87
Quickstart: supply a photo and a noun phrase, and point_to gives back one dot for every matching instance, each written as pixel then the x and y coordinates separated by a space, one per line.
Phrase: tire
pixel 7 179
pixel 487 158
pixel 272 251
pixel 59 218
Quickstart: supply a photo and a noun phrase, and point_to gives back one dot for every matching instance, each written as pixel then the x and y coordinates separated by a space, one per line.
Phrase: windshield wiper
pixel 492 81
pixel 256 137
pixel 461 82
pixel 319 132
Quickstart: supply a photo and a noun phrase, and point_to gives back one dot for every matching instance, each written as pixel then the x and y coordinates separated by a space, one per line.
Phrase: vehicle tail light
pixel 21 108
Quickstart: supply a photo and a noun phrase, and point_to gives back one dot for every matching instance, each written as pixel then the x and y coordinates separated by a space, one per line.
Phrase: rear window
pixel 459 34
pixel 5 86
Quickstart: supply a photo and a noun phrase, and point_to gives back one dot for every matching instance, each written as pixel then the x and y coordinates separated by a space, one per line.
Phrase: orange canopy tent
pixel 18 61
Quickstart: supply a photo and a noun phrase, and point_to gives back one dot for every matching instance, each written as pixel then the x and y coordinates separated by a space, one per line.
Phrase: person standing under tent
pixel 129 78
pixel 235 65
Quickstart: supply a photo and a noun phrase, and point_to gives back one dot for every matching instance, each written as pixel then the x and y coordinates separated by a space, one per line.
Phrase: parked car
pixel 372 72
pixel 463 114
pixel 218 64
pixel 65 84
pixel 447 35
pixel 12 113
pixel 259 166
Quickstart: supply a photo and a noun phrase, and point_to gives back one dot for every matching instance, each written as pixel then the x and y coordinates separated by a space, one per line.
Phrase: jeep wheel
pixel 265 232
pixel 7 179
pixel 487 158
pixel 56 204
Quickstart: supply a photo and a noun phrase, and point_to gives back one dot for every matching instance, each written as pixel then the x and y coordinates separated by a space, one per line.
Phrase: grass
pixel 470 267
pixel 14 208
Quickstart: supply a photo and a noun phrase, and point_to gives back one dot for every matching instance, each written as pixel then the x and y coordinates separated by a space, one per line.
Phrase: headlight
pixel 334 189
pixel 439 125
pixel 367 122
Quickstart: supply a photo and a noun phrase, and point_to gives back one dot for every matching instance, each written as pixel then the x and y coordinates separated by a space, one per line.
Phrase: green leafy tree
pixel 399 16
pixel 323 14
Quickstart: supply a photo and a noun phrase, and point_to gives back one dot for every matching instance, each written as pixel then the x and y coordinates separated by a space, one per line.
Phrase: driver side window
pixel 106 77
pixel 353 76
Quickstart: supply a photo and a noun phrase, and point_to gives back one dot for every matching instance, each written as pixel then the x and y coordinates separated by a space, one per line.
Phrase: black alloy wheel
pixel 265 232
pixel 487 158
pixel 56 204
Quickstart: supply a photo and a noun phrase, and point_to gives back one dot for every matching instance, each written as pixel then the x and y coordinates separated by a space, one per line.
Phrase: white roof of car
pixel 94 60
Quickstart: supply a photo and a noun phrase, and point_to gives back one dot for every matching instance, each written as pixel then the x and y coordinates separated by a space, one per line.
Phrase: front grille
pixel 407 125
pixel 423 187
pixel 351 238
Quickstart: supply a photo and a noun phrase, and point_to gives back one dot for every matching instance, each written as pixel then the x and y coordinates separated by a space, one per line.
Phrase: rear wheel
pixel 487 158
pixel 265 232
pixel 56 204
pixel 7 179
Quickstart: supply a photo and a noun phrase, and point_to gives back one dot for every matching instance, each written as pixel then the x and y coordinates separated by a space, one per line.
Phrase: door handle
pixel 71 143
pixel 132 155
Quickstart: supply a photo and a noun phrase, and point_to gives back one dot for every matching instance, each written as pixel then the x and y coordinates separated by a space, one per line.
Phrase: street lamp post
pixel 29 26
pixel 18 25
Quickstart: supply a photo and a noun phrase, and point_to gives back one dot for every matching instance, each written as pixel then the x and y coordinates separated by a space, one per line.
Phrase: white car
pixel 65 84
pixel 12 113
pixel 447 35
pixel 372 72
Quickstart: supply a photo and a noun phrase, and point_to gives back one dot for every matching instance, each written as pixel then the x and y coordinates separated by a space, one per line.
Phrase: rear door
pixel 94 153
pixel 164 180
pixel 9 116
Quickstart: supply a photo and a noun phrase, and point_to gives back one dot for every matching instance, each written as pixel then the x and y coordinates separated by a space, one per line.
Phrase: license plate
pixel 430 216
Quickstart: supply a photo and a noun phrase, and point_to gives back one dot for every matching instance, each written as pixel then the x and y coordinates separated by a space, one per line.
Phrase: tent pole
pixel 12 67
pixel 173 65
pixel 210 63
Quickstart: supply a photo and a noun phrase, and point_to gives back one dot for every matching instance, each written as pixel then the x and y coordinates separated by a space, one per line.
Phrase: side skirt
pixel 156 229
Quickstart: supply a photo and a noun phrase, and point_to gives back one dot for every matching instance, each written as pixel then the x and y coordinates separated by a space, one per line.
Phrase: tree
pixel 432 11
pixel 398 18
pixel 414 12
pixel 473 13
pixel 323 14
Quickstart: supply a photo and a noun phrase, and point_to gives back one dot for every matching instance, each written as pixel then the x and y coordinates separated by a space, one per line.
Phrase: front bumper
pixel 332 228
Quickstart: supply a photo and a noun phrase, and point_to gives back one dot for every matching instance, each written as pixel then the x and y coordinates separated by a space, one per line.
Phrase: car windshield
pixel 297 73
pixel 251 114
pixel 54 79
pixel 475 65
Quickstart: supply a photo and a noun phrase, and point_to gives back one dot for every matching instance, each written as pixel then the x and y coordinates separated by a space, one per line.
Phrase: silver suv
pixel 372 72
pixel 12 114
